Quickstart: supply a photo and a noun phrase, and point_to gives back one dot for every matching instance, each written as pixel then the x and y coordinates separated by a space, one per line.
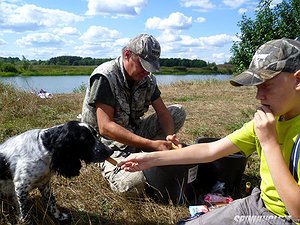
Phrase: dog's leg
pixel 51 203
pixel 21 197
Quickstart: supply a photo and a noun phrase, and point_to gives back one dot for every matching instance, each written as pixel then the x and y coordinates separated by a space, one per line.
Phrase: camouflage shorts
pixel 133 183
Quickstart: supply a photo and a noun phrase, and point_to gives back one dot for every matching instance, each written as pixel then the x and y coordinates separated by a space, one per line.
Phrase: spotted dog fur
pixel 28 161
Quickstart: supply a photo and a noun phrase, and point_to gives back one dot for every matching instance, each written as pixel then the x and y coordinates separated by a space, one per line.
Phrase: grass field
pixel 214 109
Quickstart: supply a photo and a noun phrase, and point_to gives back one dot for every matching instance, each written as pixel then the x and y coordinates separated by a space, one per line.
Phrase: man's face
pixel 135 69
pixel 279 95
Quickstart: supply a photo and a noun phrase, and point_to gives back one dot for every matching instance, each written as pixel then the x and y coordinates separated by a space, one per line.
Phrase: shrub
pixel 8 67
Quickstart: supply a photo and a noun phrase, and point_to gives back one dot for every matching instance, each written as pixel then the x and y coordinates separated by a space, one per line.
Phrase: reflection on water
pixel 67 84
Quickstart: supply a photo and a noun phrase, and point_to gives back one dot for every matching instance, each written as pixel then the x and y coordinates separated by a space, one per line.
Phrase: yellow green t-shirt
pixel 245 139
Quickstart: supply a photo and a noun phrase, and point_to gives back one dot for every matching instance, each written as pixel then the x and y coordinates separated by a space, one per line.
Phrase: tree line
pixel 88 61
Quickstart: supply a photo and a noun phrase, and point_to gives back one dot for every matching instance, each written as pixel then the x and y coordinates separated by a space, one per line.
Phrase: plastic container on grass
pixel 228 169
pixel 171 183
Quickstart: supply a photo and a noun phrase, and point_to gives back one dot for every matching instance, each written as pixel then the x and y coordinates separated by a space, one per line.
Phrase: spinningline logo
pixel 272 219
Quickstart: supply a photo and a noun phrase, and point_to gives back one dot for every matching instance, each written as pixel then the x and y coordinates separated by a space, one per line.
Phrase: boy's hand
pixel 136 162
pixel 264 125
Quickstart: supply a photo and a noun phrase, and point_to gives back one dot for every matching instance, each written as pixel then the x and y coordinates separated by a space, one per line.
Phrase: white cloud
pixel 200 20
pixel 115 7
pixel 96 51
pixel 67 31
pixel 175 20
pixel 242 11
pixel 234 3
pixel 98 34
pixel 104 49
pixel 44 53
pixel 206 42
pixel 217 40
pixel 30 17
pixel 220 57
pixel 175 44
pixel 40 40
pixel 169 36
pixel 274 3
pixel 100 42
pixel 2 42
pixel 203 5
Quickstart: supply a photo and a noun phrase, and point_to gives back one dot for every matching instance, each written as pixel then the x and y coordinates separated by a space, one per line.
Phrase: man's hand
pixel 174 140
pixel 160 145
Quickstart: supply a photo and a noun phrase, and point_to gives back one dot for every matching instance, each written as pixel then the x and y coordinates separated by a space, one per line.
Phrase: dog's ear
pixel 61 141
pixel 49 137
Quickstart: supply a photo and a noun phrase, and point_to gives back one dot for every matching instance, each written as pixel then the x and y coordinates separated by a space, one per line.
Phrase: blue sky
pixel 41 29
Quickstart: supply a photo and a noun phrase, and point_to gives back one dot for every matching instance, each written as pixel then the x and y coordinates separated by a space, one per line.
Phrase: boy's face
pixel 280 96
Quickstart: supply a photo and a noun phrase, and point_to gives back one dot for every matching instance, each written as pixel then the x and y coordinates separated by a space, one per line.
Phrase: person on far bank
pixel 273 133
pixel 117 97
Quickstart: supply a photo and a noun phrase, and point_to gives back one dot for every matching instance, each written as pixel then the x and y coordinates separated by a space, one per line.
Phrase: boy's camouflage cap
pixel 272 58
pixel 147 48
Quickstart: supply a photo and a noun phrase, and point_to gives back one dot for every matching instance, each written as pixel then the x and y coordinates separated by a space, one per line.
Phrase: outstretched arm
pixel 265 128
pixel 197 153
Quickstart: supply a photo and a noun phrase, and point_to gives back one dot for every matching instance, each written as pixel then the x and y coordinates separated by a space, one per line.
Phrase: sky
pixel 191 29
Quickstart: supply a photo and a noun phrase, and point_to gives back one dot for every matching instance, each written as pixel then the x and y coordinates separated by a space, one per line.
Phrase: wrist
pixel 270 145
pixel 148 145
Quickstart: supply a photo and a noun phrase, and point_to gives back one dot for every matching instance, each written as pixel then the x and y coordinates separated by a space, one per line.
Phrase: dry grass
pixel 213 108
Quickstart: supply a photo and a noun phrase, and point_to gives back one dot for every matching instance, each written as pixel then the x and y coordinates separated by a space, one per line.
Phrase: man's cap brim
pixel 150 66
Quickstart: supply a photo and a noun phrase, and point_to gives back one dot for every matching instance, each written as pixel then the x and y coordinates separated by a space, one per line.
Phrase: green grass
pixel 214 108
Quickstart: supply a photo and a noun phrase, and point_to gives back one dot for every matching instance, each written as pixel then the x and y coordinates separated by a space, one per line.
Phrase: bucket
pixel 171 183
pixel 228 170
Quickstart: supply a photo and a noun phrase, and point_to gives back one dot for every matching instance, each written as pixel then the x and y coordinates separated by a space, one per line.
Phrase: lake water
pixel 67 84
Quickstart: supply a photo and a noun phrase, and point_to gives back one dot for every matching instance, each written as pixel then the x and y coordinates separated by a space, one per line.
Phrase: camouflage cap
pixel 147 48
pixel 272 58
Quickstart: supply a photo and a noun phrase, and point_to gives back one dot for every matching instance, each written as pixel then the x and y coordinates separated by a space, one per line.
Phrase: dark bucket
pixel 228 170
pixel 173 183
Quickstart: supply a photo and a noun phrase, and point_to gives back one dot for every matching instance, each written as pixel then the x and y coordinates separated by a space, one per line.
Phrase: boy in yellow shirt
pixel 275 71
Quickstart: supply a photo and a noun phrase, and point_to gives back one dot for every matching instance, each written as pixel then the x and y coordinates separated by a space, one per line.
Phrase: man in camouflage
pixel 119 94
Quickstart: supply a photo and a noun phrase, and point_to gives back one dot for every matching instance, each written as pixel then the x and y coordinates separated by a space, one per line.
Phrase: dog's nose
pixel 102 152
pixel 108 151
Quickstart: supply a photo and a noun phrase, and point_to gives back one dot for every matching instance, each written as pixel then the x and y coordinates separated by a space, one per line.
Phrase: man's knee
pixel 128 184
pixel 178 114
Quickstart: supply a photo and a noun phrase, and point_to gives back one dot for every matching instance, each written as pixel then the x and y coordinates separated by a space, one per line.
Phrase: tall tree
pixel 270 22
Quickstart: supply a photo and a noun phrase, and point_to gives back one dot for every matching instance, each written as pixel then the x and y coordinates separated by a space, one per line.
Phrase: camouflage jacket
pixel 131 104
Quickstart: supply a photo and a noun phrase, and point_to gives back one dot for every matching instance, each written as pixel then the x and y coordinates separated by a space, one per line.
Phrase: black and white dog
pixel 28 161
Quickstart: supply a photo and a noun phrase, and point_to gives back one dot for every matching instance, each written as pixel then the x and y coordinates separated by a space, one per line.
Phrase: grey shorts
pixel 246 211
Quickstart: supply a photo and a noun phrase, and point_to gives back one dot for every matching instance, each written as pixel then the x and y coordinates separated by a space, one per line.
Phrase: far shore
pixel 54 70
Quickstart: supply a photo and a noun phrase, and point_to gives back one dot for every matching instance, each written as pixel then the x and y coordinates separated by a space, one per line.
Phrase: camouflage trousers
pixel 132 184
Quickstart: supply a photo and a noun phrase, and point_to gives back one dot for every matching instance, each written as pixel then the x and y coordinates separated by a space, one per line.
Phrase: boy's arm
pixel 285 184
pixel 197 153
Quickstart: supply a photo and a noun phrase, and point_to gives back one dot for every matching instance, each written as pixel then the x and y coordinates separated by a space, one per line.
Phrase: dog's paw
pixel 64 218
pixel 24 222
